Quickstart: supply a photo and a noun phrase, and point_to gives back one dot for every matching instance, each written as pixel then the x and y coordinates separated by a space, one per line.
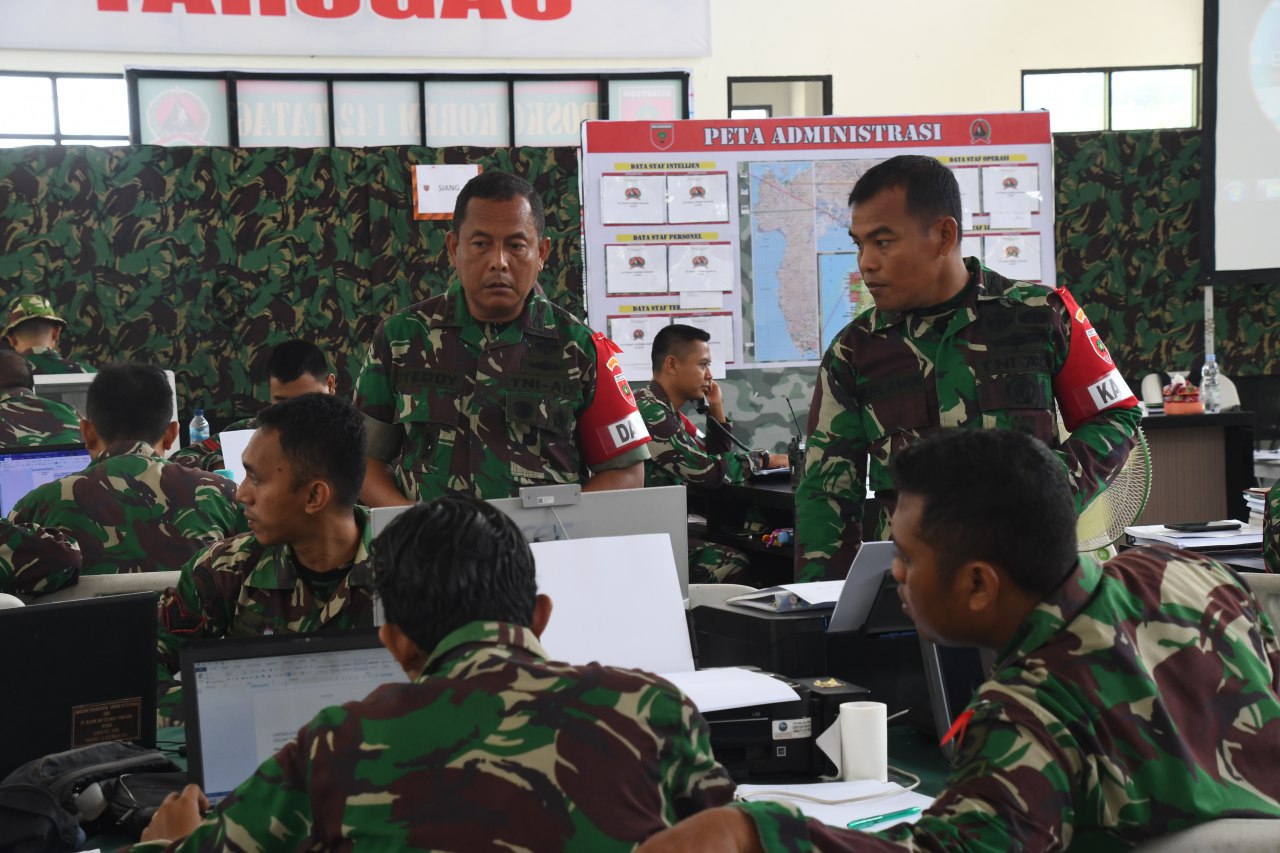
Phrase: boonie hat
pixel 32 306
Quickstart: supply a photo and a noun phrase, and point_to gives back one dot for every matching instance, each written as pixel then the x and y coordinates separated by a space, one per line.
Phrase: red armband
pixel 612 424
pixel 1088 382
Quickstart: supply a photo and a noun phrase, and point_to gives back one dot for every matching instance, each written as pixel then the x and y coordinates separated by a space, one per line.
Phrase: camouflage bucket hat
pixel 29 307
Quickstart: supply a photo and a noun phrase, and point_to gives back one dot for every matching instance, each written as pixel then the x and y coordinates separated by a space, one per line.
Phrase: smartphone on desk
pixel 1203 526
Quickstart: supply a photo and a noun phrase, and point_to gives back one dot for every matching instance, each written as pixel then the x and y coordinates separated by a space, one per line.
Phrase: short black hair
pixel 36 326
pixel 291 359
pixel 995 495
pixel 15 371
pixel 675 340
pixel 455 560
pixel 499 186
pixel 130 401
pixel 932 190
pixel 323 437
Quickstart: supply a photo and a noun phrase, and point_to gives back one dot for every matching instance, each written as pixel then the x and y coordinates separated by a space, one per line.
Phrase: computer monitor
pixel 73 389
pixel 246 698
pixel 24 468
pixel 952 675
pixel 77 673
pixel 551 513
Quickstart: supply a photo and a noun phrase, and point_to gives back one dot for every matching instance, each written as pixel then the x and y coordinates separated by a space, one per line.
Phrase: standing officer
pixel 948 344
pixel 489 387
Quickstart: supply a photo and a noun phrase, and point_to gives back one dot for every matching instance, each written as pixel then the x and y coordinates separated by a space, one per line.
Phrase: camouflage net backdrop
pixel 196 258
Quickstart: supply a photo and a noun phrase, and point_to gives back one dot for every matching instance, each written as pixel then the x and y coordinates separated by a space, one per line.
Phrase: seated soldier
pixel 295 368
pixel 679 454
pixel 304 564
pixel 25 419
pixel 491 746
pixel 33 329
pixel 36 560
pixel 131 510
pixel 1129 699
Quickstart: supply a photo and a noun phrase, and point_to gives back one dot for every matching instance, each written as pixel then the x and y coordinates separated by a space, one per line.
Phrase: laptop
pixel 92 586
pixel 24 468
pixel 77 673
pixel 247 697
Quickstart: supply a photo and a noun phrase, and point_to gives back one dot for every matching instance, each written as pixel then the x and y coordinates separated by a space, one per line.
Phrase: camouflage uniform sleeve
pixel 695 780
pixel 204 455
pixel 375 397
pixel 830 496
pixel 1012 790
pixel 195 609
pixel 217 503
pixel 1271 529
pixel 674 452
pixel 36 560
pixel 271 810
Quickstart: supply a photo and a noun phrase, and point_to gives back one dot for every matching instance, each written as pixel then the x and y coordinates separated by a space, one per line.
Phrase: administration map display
pixel 742 227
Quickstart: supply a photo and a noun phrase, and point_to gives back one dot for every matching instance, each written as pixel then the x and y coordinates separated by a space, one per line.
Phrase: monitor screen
pixel 21 470
pixel 251 698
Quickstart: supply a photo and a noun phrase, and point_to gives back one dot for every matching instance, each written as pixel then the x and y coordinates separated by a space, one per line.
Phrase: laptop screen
pixel 22 469
pixel 247 698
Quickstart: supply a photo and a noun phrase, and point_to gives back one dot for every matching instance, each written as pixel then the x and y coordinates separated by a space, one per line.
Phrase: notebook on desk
pixel 246 698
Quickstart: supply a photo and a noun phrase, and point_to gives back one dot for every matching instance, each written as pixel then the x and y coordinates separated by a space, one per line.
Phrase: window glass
pixel 90 105
pixel 14 142
pixel 1154 97
pixel 467 114
pixel 1076 100
pixel 376 113
pixel 283 112
pixel 551 112
pixel 183 112
pixel 644 100
pixel 26 105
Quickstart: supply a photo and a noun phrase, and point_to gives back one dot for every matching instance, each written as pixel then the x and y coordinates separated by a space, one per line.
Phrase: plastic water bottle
pixel 1210 395
pixel 198 431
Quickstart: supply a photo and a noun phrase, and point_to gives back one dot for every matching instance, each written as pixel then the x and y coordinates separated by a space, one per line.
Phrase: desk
pixel 1190 456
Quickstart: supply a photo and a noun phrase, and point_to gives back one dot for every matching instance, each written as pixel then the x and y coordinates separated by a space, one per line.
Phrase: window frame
pixel 232 77
pixel 1197 84
pixel 824 79
pixel 58 137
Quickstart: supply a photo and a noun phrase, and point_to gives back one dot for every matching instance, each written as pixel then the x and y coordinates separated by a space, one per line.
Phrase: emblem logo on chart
pixel 1012 251
pixel 632 193
pixel 979 131
pixel 701 261
pixel 637 334
pixel 697 192
pixel 662 136
pixel 1010 183
pixel 636 263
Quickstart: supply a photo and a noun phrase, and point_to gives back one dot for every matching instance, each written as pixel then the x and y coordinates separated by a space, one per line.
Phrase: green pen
pixel 864 822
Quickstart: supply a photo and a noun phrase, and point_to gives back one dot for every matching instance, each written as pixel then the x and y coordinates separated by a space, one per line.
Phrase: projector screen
pixel 1241 187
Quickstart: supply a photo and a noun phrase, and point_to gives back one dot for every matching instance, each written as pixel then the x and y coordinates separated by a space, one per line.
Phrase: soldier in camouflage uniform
pixel 27 420
pixel 678 453
pixel 492 745
pixel 489 387
pixel 294 368
pixel 32 328
pixel 949 344
pixel 36 560
pixel 1129 699
pixel 1271 529
pixel 304 566
pixel 130 510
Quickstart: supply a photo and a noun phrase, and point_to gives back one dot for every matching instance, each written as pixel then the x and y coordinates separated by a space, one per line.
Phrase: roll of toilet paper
pixel 864 741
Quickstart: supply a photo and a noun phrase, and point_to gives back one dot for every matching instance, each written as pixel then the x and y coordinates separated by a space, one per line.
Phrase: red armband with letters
pixel 612 424
pixel 1088 382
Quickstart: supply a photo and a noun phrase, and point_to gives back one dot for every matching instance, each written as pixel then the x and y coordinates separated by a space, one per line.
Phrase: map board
pixel 741 226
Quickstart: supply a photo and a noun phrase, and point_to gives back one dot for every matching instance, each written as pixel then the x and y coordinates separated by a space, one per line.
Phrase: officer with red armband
pixel 489 387
pixel 949 344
